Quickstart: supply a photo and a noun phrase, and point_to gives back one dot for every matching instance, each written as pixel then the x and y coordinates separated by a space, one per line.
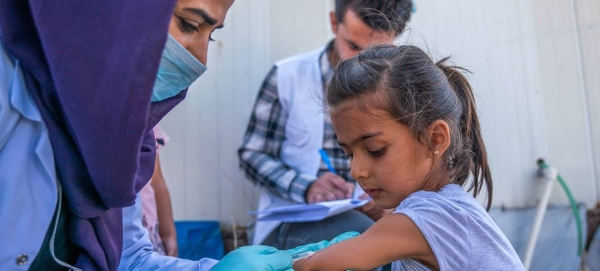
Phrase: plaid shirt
pixel 259 155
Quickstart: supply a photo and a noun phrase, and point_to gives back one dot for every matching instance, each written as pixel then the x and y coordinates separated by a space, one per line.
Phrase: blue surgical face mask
pixel 177 71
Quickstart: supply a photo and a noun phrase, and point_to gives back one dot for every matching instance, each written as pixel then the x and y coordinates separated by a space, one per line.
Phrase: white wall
pixel 491 40
pixel 527 65
pixel 535 73
pixel 566 109
pixel 588 12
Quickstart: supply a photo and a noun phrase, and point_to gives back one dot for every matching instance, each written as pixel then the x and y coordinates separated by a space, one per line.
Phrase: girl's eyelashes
pixel 377 152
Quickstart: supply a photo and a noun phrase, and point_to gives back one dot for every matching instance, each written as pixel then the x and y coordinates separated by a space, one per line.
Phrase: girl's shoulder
pixel 452 197
pixel 452 220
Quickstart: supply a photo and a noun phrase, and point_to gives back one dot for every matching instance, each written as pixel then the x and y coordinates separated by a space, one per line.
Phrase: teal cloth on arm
pixel 323 244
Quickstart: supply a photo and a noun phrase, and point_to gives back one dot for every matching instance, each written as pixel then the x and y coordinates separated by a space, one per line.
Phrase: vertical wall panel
pixel 297 26
pixel 588 12
pixel 565 107
pixel 173 159
pixel 244 57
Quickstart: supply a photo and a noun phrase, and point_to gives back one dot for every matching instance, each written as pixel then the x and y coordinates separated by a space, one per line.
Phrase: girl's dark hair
pixel 416 92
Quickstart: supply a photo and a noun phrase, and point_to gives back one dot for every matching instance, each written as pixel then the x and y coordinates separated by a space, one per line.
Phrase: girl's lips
pixel 373 193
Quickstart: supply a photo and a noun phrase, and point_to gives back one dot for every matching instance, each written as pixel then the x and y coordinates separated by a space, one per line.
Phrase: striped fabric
pixel 259 154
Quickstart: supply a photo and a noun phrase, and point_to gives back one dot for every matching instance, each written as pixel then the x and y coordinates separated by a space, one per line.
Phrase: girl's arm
pixel 392 238
pixel 166 225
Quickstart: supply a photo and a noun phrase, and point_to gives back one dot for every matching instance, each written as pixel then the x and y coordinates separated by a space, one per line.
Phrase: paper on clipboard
pixel 308 212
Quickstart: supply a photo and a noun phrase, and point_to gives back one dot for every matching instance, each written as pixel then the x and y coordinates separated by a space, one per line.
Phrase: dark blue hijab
pixel 90 66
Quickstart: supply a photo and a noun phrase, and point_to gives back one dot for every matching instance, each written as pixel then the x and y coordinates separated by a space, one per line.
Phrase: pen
pixel 326 160
pixel 330 167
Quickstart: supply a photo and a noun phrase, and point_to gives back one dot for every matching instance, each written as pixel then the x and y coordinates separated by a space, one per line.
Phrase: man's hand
pixel 329 187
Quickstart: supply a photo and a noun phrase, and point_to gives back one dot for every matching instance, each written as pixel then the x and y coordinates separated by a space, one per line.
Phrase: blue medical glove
pixel 259 258
pixel 323 244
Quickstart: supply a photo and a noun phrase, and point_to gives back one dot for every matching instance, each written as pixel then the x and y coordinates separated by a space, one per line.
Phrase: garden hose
pixel 573 203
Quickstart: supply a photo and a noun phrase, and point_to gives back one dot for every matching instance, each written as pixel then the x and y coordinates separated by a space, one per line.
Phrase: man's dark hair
pixel 384 15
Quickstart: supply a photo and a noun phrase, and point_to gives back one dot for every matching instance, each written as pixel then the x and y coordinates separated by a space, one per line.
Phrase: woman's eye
pixel 187 27
pixel 349 156
pixel 377 152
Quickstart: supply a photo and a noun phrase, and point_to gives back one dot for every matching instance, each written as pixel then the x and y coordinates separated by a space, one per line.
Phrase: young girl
pixel 411 130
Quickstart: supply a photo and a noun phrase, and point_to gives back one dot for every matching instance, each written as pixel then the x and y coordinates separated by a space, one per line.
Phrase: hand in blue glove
pixel 323 244
pixel 259 258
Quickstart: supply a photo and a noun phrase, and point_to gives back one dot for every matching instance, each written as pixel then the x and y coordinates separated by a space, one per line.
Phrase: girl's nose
pixel 358 168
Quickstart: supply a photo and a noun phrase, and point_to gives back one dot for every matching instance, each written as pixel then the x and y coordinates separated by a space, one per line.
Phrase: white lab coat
pixel 300 92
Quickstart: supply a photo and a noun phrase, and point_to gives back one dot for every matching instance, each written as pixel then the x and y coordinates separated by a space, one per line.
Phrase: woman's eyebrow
pixel 204 15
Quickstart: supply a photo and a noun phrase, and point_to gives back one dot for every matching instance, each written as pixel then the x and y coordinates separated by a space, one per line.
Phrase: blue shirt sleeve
pixel 28 187
pixel 138 253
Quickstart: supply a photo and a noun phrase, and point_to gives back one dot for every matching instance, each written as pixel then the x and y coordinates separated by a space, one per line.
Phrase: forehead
pixel 356 119
pixel 353 123
pixel 359 32
pixel 217 9
pixel 356 110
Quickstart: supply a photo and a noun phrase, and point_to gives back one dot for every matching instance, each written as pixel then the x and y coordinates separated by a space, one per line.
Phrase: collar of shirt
pixel 325 65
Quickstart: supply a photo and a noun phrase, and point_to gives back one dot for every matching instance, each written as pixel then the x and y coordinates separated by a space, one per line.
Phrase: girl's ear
pixel 439 137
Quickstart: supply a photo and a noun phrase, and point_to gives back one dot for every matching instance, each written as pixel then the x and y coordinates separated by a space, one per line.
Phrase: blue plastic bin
pixel 199 239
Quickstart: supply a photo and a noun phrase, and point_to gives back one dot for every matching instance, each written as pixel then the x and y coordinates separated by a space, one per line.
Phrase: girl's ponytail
pixel 470 157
